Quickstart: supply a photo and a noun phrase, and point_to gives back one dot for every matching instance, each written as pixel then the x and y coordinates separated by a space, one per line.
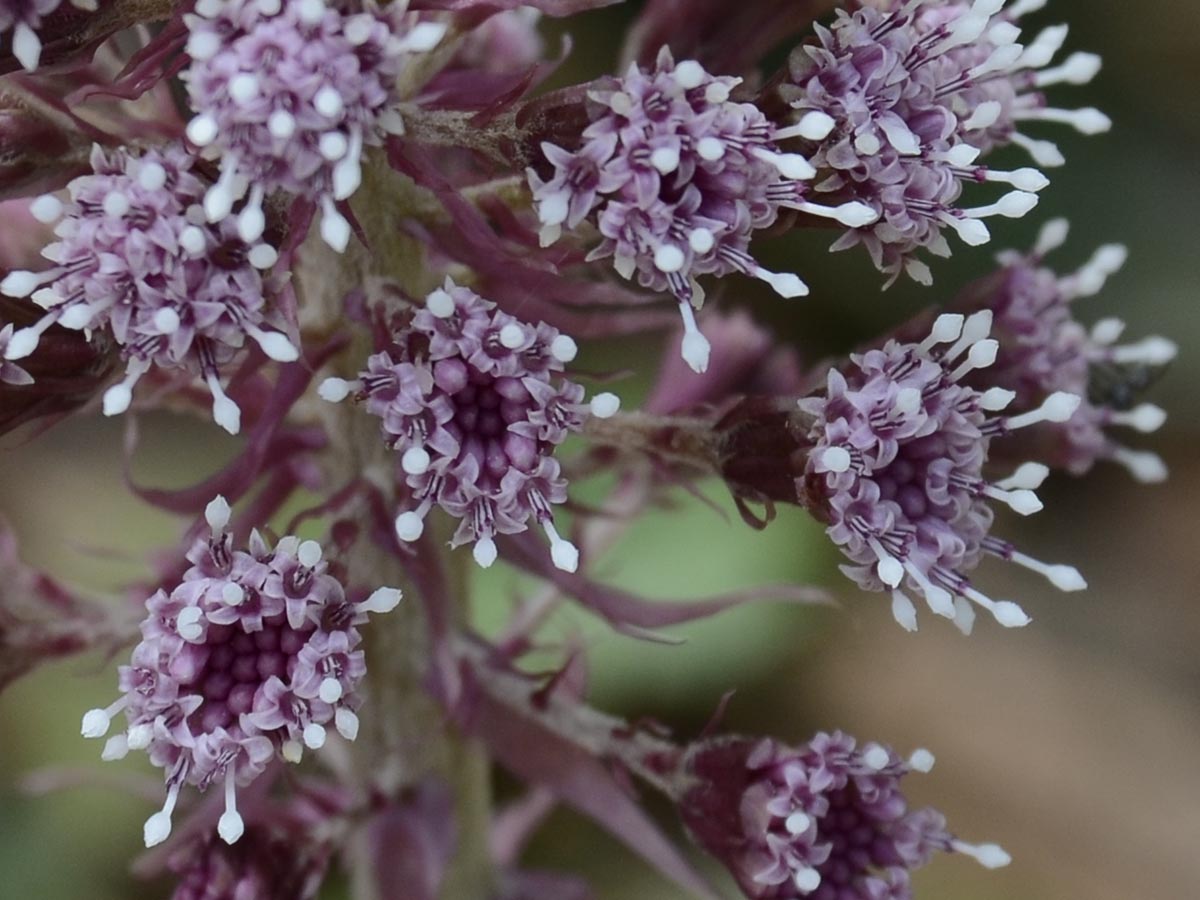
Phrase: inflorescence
pixel 252 656
pixel 824 821
pixel 1045 349
pixel 917 91
pixel 287 93
pixel 900 445
pixel 135 257
pixel 679 177
pixel 468 397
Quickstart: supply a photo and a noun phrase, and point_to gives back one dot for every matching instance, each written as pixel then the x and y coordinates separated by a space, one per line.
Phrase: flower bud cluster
pixel 287 93
pixel 679 177
pixel 824 821
pixel 253 655
pixel 469 398
pixel 900 443
pixel 1045 349
pixel 918 90
pixel 135 257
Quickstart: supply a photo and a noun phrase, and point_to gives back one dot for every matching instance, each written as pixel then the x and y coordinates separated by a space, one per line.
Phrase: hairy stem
pixel 404 738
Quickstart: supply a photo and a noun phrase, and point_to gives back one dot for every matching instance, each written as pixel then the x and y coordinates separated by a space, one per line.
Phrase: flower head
pixel 825 821
pixel 678 178
pixel 900 443
pixel 1045 349
pixel 918 90
pixel 252 655
pixel 135 257
pixel 471 400
pixel 288 92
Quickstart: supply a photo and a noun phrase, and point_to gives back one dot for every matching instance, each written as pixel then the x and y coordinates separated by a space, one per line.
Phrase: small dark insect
pixel 1119 386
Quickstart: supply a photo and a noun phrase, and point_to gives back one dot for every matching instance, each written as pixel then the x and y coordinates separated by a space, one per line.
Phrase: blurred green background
pixel 1074 743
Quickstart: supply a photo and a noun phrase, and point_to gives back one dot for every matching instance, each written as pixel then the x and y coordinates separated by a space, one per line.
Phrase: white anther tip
pixel 1024 502
pixel 117 399
pixel 564 349
pixel 1010 615
pixel 689 74
pixel 46 209
pixel 346 723
pixel 1066 578
pixel 1147 418
pixel 1060 406
pixel 157 829
pixel 665 160
pixel 512 336
pixel 668 258
pixel 485 552
pixel 947 327
pixel 227 414
pixel 217 513
pixel 230 826
pixel 314 736
pixel 19 283
pixel 382 600
pixel 890 571
pixel 921 760
pixel 877 758
pixel 277 346
pixel 95 723
pixel 788 285
pixel 233 594
pixel 409 526
pixel 440 304
pixel 202 130
pixel 335 390
pixel 564 555
pixel 605 405
pixel 309 553
pixel 836 459
pixel 416 461
pixel 696 350
pixel 806 880
pixel 330 690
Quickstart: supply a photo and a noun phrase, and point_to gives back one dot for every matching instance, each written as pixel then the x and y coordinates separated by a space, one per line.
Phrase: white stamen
pixel 1079 68
pixel 116 747
pixel 416 461
pixel 314 736
pixel 191 240
pixel 233 594
pixel 335 230
pixel 797 823
pixel 1029 476
pixel 701 240
pixel 1021 501
pixel 409 526
pixel 1045 153
pixel 1107 331
pixel 512 336
pixel 158 827
pixel 710 148
pixel 961 155
pixel 292 751
pixel 1012 205
pixel 1143 465
pixel 485 552
pixel 1058 407
pixel 668 258
pixel 116 204
pixel 786 284
pixel 202 130
pixel 440 304
pixel 1043 47
pixel 262 256
pixel 203 45
pixel 187 623
pixel 976 327
pixel 47 209
pixel 347 174
pixel 217 514
pixel 225 411
pixel 852 215
pixel 716 92
pixel 790 165
pixel 140 736
pixel 251 222
pixel 1065 578
pixel 1088 120
pixel 964 616
pixel 665 160
pixel 1146 418
pixel 335 390
pixel 1052 236
pixel 26 46
pixel 563 553
pixel 1027 179
pixel 1005 612
pixel 1156 351
pixel 889 569
pixel 230 826
pixel 813 126
pixel 946 328
pixel 166 320
pixel 990 856
pixel 689 74
pixel 921 760
pixel 243 88
pixel 981 355
pixel 836 459
pixel 346 723
pixel 696 348
pixel 218 199
pixel 903 611
pixel 605 405
pixel 330 690
pixel 96 722
pixel 996 399
pixel 309 554
pixel 877 758
pixel 806 880
pixel 328 102
pixel 971 232
pixel 382 600
pixel 282 125
pixel 564 349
